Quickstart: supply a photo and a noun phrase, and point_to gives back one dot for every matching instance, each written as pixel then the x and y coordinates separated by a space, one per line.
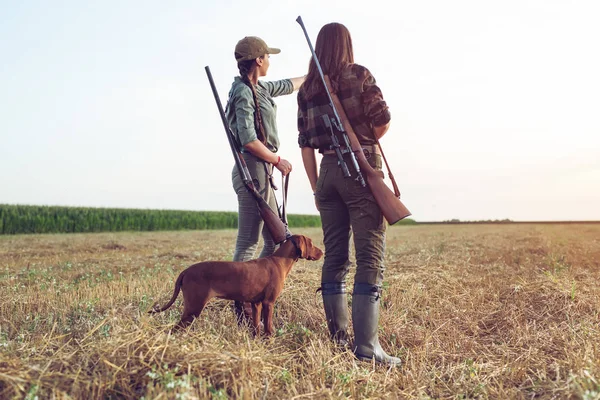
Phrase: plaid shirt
pixel 362 100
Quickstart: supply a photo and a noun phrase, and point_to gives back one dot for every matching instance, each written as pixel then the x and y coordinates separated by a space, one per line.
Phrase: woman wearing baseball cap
pixel 251 113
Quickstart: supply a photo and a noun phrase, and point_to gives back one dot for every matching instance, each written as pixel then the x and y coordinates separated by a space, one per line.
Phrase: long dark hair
pixel 334 50
pixel 245 68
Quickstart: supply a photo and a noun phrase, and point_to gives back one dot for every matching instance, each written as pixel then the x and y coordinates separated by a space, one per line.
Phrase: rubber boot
pixel 335 303
pixel 365 320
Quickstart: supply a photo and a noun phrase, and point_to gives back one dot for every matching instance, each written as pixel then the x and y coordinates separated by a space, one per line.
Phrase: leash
pixel 396 190
pixel 270 175
pixel 285 181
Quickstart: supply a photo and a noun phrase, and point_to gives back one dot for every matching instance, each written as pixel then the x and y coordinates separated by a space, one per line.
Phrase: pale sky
pixel 495 104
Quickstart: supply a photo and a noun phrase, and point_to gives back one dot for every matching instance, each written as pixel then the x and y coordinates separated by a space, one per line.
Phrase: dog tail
pixel 176 291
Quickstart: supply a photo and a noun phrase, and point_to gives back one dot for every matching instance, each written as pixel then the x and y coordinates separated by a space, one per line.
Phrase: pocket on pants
pixel 321 180
pixel 236 180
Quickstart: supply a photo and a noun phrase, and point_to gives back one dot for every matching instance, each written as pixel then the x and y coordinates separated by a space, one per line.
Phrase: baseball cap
pixel 252 47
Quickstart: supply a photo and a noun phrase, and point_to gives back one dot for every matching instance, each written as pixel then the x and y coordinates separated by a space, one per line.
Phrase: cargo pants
pixel 347 209
pixel 250 223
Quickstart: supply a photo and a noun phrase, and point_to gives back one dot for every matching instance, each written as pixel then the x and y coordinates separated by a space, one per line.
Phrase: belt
pixel 367 149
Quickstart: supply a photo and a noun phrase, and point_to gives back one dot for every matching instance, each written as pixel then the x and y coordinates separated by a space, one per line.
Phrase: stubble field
pixel 473 311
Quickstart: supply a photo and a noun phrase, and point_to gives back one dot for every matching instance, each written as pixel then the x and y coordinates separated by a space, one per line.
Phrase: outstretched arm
pixel 282 86
pixel 297 82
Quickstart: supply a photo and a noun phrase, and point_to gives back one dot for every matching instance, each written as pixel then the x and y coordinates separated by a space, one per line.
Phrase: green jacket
pixel 240 110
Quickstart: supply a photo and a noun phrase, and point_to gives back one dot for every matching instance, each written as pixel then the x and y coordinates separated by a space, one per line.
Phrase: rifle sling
pixel 392 179
pixel 284 183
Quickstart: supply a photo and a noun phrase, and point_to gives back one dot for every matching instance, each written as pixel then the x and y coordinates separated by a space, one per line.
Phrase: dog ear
pixel 305 247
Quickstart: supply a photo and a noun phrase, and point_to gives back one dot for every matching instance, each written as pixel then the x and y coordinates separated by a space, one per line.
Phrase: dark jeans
pixel 346 207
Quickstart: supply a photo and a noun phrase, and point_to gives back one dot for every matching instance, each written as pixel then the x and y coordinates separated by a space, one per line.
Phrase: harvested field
pixel 473 311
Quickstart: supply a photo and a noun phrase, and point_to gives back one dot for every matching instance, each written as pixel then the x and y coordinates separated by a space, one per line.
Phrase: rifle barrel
pixel 339 125
pixel 312 50
pixel 241 164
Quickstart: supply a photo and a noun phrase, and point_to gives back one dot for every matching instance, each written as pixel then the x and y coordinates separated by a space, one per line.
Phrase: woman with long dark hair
pixel 345 206
pixel 251 113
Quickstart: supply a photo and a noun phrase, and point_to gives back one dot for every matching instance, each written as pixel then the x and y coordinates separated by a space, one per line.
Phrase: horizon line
pixel 452 221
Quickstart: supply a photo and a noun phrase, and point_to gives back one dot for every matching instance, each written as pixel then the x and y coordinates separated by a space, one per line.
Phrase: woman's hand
pixel 284 166
pixel 260 150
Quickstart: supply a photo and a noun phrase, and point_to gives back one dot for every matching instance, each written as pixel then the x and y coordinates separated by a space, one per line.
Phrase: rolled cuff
pixel 382 118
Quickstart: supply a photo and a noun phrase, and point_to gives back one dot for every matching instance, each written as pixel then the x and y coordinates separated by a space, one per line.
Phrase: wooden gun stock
pixel 278 230
pixel 392 208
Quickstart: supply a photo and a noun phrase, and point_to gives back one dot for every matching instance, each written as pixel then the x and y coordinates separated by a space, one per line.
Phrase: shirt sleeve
pixel 375 107
pixel 244 117
pixel 278 88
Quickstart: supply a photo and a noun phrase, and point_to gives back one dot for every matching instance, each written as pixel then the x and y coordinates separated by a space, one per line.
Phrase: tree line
pixel 17 219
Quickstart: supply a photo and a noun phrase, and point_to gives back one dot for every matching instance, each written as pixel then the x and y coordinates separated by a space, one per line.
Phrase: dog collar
pixel 298 250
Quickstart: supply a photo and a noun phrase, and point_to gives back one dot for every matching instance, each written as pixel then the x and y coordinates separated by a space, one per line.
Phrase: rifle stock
pixel 278 230
pixel 392 208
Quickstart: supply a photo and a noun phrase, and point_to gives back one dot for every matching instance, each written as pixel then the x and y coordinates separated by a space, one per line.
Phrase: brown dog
pixel 259 282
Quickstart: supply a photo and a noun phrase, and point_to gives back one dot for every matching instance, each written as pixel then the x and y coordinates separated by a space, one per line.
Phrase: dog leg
pixel 267 313
pixel 183 323
pixel 256 312
pixel 192 307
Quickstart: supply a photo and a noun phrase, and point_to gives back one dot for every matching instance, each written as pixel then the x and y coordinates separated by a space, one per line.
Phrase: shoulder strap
pixel 396 190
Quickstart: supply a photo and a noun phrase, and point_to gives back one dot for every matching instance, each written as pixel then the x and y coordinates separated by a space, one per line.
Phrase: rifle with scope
pixel 388 201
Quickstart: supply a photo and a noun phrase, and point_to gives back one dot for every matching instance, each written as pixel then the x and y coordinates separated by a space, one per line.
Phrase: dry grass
pixel 474 311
